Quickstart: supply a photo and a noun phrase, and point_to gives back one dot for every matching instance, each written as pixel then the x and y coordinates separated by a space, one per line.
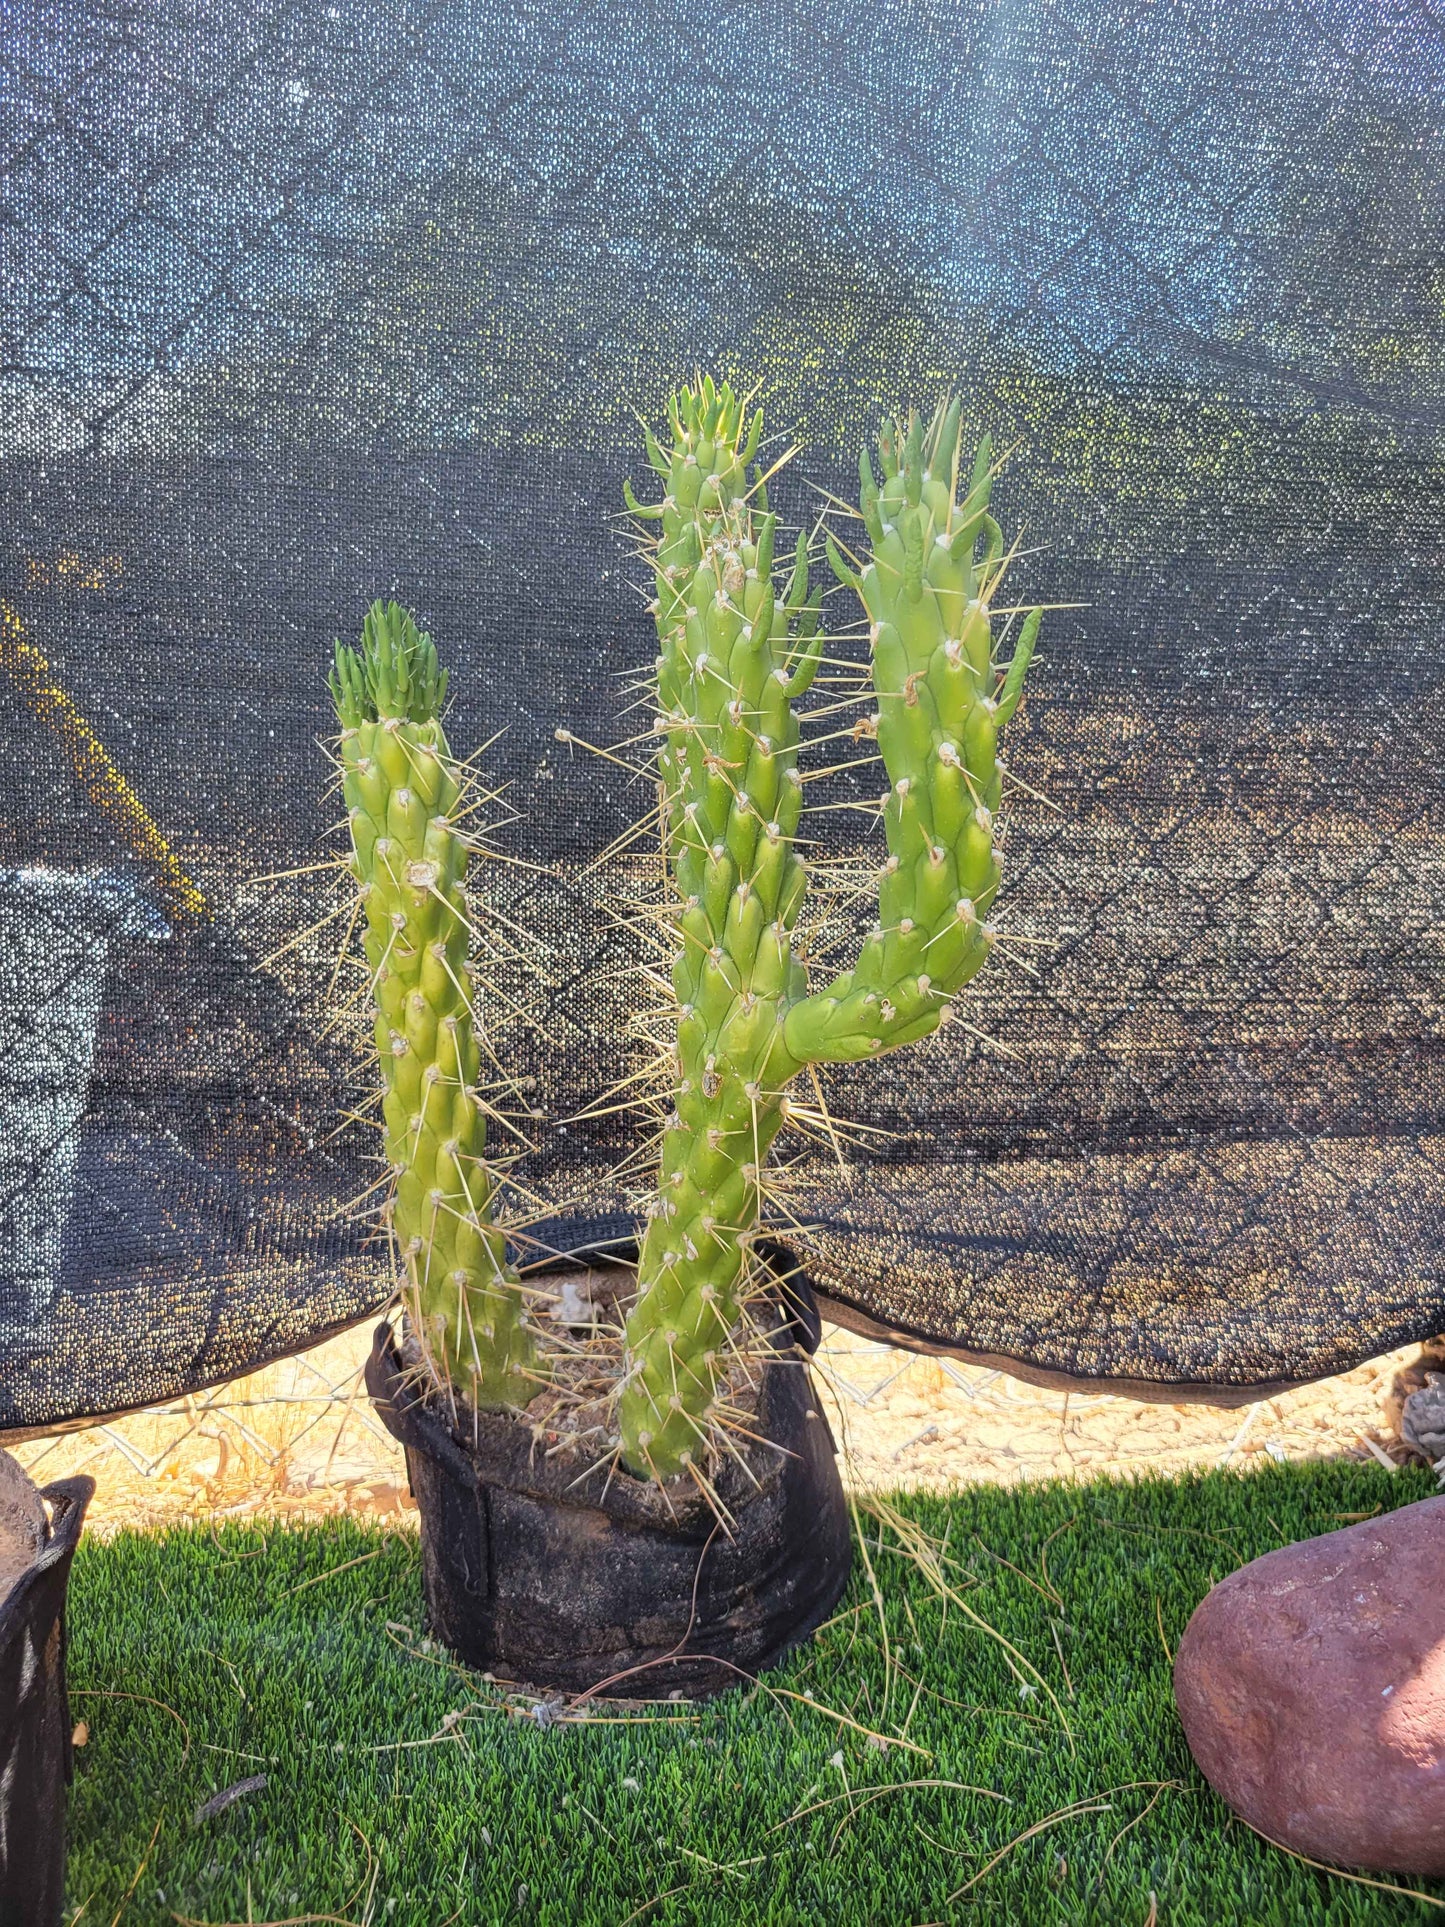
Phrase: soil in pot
pixel 38 1535
pixel 546 1563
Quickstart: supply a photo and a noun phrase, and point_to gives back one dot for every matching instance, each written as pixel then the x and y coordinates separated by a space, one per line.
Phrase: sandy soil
pixel 300 1439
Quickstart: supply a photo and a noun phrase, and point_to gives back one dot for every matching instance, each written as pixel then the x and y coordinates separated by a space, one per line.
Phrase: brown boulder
pixel 1311 1684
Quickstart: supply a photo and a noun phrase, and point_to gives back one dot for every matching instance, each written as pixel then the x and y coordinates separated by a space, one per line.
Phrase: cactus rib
pixel 402 793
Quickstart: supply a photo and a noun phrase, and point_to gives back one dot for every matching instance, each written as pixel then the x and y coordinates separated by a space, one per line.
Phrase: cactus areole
pixel 402 792
pixel 736 650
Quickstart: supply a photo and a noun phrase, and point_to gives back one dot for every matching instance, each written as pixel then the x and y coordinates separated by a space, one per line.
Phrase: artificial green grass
pixel 199 1659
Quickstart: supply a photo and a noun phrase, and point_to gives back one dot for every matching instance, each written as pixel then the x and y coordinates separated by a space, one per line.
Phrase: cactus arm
pixel 402 795
pixel 925 591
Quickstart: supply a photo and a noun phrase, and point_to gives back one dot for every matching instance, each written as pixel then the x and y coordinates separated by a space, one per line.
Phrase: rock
pixel 23 1525
pixel 1422 1419
pixel 1311 1684
pixel 573 1306
pixel 1411 1378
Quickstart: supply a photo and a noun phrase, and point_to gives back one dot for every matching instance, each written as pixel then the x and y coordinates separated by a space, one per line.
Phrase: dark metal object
pixel 605 1581
pixel 35 1748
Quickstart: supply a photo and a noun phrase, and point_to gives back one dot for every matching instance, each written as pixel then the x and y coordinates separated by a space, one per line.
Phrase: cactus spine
pixel 403 793
pixel 733 657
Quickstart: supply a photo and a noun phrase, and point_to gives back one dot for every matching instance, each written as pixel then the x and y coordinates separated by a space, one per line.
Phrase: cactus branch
pixel 734 654
pixel 925 589
pixel 404 799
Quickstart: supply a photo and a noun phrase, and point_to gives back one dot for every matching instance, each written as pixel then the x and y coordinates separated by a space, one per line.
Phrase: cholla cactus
pixel 403 796
pixel 733 658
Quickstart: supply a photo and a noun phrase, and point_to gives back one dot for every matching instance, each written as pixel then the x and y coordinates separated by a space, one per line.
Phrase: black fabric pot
pixel 35 1754
pixel 536 1575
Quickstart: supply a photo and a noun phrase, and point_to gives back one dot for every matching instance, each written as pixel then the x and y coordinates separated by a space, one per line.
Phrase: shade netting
pixel 305 303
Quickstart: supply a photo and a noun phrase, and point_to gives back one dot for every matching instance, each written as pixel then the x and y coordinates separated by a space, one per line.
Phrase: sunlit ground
pixel 300 1438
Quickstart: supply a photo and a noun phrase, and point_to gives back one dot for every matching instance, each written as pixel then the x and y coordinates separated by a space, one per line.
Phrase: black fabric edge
pixel 82 1421
pixel 614 1239
pixel 1148 1391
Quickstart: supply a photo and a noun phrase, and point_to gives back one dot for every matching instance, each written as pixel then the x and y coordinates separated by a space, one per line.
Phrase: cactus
pixel 734 656
pixel 403 796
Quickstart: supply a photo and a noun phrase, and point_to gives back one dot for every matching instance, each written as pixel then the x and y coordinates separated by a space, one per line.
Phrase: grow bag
pixel 603 1581
pixel 35 1754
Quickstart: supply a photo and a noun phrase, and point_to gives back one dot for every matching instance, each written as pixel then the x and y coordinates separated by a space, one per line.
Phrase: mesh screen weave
pixel 307 302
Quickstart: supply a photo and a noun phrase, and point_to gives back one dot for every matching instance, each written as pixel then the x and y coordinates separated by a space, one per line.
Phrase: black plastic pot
pixel 35 1755
pixel 564 1583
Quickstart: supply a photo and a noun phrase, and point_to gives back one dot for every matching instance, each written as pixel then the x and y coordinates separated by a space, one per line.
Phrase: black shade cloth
pixel 308 302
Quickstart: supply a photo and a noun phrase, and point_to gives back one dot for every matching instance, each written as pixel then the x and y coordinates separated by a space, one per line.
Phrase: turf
pixel 200 1659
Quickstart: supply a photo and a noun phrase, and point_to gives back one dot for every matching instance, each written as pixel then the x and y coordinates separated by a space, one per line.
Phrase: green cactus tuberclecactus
pixel 403 793
pixel 734 656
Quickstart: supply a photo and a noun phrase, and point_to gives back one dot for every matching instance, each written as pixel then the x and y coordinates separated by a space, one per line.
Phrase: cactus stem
pixel 733 654
pixel 405 795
